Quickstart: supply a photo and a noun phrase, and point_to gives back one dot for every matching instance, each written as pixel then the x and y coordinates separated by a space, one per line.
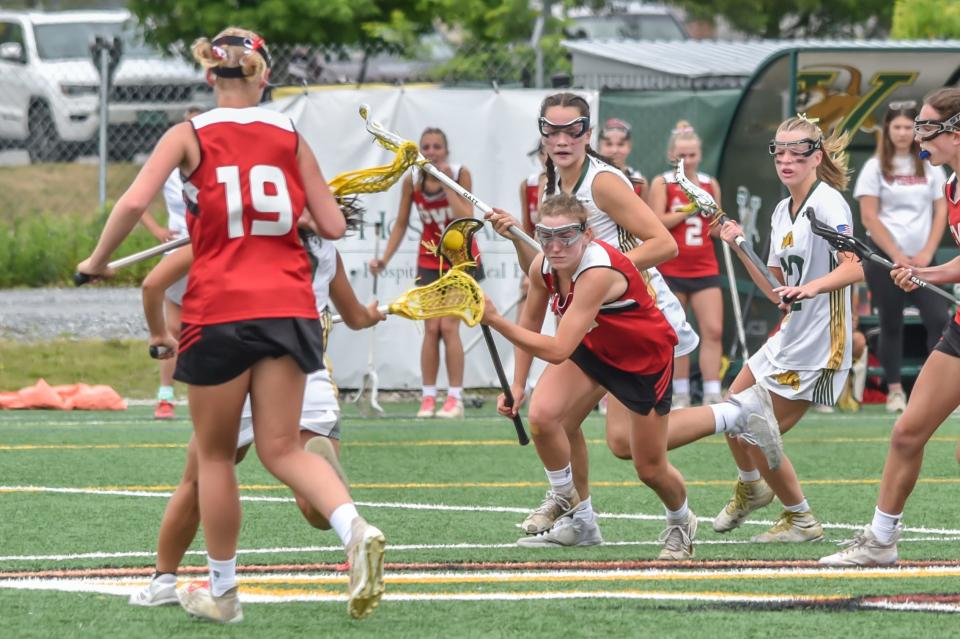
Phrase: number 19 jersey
pixel 243 201
pixel 817 333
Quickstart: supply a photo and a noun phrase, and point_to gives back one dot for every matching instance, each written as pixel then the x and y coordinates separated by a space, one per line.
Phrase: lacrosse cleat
pixel 156 593
pixel 554 506
pixel 566 532
pixel 748 496
pixel 164 410
pixel 757 424
pixel 866 550
pixel 452 409
pixel 428 407
pixel 322 447
pixel 792 528
pixel 677 540
pixel 197 599
pixel 365 555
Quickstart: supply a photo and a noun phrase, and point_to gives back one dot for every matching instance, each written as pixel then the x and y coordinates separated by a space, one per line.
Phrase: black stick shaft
pixel 507 393
pixel 914 279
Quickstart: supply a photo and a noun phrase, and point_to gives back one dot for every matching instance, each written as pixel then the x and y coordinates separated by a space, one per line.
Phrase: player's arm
pixel 929 250
pixel 169 270
pixel 355 315
pixel 531 319
pixel 658 204
pixel 615 197
pixel 848 271
pixel 150 223
pixel 321 205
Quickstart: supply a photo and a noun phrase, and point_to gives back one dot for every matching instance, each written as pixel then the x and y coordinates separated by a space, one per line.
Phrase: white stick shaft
pixel 338 319
pixel 159 249
pixel 735 299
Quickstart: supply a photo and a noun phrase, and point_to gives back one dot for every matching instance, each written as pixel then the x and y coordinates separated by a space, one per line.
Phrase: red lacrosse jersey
pixel 629 333
pixel 952 191
pixel 243 201
pixel 696 257
pixel 435 213
pixel 531 186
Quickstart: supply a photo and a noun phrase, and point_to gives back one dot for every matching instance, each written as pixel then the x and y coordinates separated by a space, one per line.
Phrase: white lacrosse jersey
pixel 176 207
pixel 606 229
pixel 816 333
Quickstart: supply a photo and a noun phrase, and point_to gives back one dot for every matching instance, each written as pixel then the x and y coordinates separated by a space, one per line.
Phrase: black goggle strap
pixel 256 45
pixel 814 145
pixel 576 127
pixel 546 234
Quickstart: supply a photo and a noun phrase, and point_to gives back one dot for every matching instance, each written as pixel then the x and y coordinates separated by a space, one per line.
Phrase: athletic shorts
pixel 176 291
pixel 430 275
pixel 325 423
pixel 822 386
pixel 640 393
pixel 320 412
pixel 690 285
pixel 950 340
pixel 216 353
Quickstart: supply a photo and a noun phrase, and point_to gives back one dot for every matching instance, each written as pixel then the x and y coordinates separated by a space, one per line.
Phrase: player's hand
pixel 377 266
pixel 518 398
pixel 490 312
pixel 502 221
pixel 163 346
pixel 164 235
pixel 730 231
pixel 95 271
pixel 374 313
pixel 901 274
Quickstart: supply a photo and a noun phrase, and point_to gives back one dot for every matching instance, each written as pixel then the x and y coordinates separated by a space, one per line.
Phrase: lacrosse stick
pixel 370 379
pixel 456 246
pixel 392 141
pixel 454 294
pixel 371 180
pixel 708 206
pixel 850 244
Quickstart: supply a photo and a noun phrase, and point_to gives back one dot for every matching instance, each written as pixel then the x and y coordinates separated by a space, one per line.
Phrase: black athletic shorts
pixel 216 353
pixel 950 340
pixel 689 285
pixel 430 275
pixel 637 392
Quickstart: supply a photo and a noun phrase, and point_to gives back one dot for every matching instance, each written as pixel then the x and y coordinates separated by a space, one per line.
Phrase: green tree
pixel 796 18
pixel 921 19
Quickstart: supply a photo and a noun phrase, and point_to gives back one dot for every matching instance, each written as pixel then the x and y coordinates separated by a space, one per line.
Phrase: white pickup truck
pixel 49 87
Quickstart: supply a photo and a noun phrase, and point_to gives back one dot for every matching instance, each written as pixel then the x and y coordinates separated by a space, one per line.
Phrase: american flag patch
pixel 844 229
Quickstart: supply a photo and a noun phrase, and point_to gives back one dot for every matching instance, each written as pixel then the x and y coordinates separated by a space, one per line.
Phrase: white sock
pixel 561 480
pixel 223 575
pixel 725 415
pixel 455 392
pixel 679 516
pixel 584 511
pixel 884 526
pixel 429 391
pixel 802 507
pixel 165 394
pixel 711 387
pixel 167 578
pixel 749 475
pixel 341 520
pixel 681 386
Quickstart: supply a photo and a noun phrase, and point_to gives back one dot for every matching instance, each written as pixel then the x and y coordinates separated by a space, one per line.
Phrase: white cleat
pixel 566 532
pixel 155 593
pixel 197 599
pixel 866 550
pixel 365 554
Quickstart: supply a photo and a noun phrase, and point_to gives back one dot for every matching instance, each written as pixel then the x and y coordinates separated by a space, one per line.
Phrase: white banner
pixel 491 133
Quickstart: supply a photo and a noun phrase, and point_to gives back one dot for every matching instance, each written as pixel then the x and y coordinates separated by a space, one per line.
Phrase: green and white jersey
pixel 817 333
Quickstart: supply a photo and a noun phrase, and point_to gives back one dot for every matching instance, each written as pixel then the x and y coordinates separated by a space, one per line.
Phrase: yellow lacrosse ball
pixel 453 240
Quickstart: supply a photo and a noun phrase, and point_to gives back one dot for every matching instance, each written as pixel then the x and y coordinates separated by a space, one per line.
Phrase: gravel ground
pixel 77 313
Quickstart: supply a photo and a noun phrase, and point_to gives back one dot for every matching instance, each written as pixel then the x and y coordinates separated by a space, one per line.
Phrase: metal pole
pixel 538 27
pixel 104 96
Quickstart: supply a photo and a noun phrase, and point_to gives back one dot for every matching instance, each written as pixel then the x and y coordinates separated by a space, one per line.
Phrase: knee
pixel 450 329
pixel 905 440
pixel 649 471
pixel 543 415
pixel 619 446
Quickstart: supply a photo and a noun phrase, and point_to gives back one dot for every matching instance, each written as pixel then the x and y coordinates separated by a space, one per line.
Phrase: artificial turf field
pixel 81 496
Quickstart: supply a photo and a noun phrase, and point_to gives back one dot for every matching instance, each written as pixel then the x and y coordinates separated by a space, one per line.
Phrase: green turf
pixel 465 465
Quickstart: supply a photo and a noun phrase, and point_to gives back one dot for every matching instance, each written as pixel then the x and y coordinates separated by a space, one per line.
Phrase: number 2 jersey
pixel 243 201
pixel 695 256
pixel 817 333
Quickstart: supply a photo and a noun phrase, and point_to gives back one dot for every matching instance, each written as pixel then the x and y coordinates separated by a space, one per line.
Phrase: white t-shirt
pixel 817 333
pixel 176 207
pixel 906 202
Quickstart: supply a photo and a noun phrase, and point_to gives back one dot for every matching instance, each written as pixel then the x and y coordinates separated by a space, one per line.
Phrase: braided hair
pixel 565 99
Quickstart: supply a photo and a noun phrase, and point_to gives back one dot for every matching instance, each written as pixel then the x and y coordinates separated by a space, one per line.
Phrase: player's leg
pixel 707 305
pixel 429 367
pixel 681 366
pixel 454 358
pixel 165 394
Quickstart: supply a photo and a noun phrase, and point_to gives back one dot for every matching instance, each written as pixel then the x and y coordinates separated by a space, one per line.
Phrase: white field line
pixel 433 507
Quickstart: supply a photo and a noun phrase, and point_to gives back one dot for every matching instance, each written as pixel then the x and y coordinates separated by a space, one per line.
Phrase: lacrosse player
pixel 250 321
pixel 616 143
pixel 809 357
pixel 610 337
pixel 694 275
pixel 934 396
pixel 437 206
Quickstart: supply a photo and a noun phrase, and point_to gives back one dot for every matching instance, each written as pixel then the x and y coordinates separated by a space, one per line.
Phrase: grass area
pixel 122 364
pixel 449 492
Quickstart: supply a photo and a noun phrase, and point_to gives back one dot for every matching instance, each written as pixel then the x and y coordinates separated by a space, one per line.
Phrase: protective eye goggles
pixel 905 105
pixel 567 235
pixel 804 148
pixel 575 128
pixel 926 130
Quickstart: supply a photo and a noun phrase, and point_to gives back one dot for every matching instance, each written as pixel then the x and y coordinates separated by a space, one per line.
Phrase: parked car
pixel 49 86
pixel 625 21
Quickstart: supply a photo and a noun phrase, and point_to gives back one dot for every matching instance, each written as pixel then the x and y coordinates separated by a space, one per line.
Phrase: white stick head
pixel 703 200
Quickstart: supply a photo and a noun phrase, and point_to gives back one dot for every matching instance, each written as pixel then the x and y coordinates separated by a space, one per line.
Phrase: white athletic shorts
pixel 822 386
pixel 320 413
pixel 176 291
